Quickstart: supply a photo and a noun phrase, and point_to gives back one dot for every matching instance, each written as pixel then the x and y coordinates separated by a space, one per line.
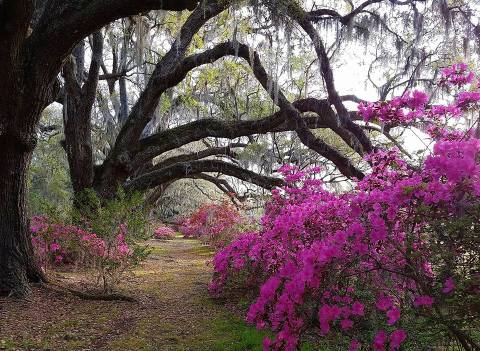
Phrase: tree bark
pixel 21 103
pixel 187 169
pixel 17 266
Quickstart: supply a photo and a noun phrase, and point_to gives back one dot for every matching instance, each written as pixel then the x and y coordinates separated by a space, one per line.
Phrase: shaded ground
pixel 174 312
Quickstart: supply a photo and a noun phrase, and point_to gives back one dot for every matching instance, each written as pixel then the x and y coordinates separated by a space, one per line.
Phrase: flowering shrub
pixel 58 244
pixel 164 233
pixel 102 243
pixel 402 109
pixel 396 258
pixel 457 75
pixel 215 224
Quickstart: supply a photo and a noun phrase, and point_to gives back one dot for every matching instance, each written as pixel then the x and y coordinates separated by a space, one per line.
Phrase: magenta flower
pixel 54 247
pixel 397 338
pixel 423 301
pixel 448 286
pixel 358 309
pixel 379 341
pixel 346 324
pixel 354 345
pixel 393 315
pixel 384 303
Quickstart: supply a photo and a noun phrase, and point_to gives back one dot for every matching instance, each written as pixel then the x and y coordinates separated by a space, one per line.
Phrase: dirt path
pixel 174 312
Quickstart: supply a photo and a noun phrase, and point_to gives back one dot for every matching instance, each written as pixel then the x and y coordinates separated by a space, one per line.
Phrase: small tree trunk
pixel 77 108
pixel 78 145
pixel 17 266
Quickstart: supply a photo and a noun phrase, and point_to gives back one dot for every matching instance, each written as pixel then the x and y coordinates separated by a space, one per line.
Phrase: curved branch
pixel 127 155
pixel 389 137
pixel 186 169
pixel 213 151
pixel 64 23
pixel 362 142
pixel 117 163
pixel 287 110
pixel 165 75
pixel 342 163
pixel 317 15
pixel 222 184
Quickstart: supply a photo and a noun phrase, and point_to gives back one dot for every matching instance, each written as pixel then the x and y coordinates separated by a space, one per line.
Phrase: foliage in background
pixel 215 224
pixel 183 197
pixel 49 186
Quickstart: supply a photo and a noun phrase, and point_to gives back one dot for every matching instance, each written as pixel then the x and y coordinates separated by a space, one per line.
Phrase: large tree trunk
pixel 21 104
pixel 33 48
pixel 17 266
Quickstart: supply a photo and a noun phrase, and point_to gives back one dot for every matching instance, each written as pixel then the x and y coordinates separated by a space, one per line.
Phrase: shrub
pixel 164 233
pixel 215 224
pixel 103 240
pixel 393 262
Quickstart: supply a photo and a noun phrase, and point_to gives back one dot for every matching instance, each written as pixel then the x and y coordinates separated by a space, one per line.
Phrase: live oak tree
pixel 43 58
pixel 133 164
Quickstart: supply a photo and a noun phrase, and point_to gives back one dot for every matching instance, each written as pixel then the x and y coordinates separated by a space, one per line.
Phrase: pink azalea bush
pixel 396 257
pixel 102 244
pixel 164 233
pixel 61 244
pixel 215 224
pixel 58 244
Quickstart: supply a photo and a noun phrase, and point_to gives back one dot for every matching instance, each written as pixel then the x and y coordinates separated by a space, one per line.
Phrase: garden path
pixel 174 311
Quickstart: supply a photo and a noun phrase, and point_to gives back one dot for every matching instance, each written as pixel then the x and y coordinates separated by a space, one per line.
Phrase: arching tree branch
pixel 220 183
pixel 210 127
pixel 118 160
pixel 304 133
pixel 362 142
pixel 319 14
pixel 213 151
pixel 167 140
pixel 64 23
pixel 182 170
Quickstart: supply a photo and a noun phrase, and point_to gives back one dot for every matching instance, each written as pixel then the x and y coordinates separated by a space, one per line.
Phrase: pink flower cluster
pixel 467 99
pixel 412 106
pixel 164 233
pixel 400 110
pixel 330 261
pixel 396 339
pixel 58 243
pixel 457 75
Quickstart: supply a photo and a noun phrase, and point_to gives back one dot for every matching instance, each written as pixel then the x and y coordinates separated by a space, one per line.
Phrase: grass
pixel 223 333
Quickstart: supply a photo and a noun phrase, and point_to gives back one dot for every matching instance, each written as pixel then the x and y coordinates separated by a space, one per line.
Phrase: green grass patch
pixel 201 250
pixel 157 250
